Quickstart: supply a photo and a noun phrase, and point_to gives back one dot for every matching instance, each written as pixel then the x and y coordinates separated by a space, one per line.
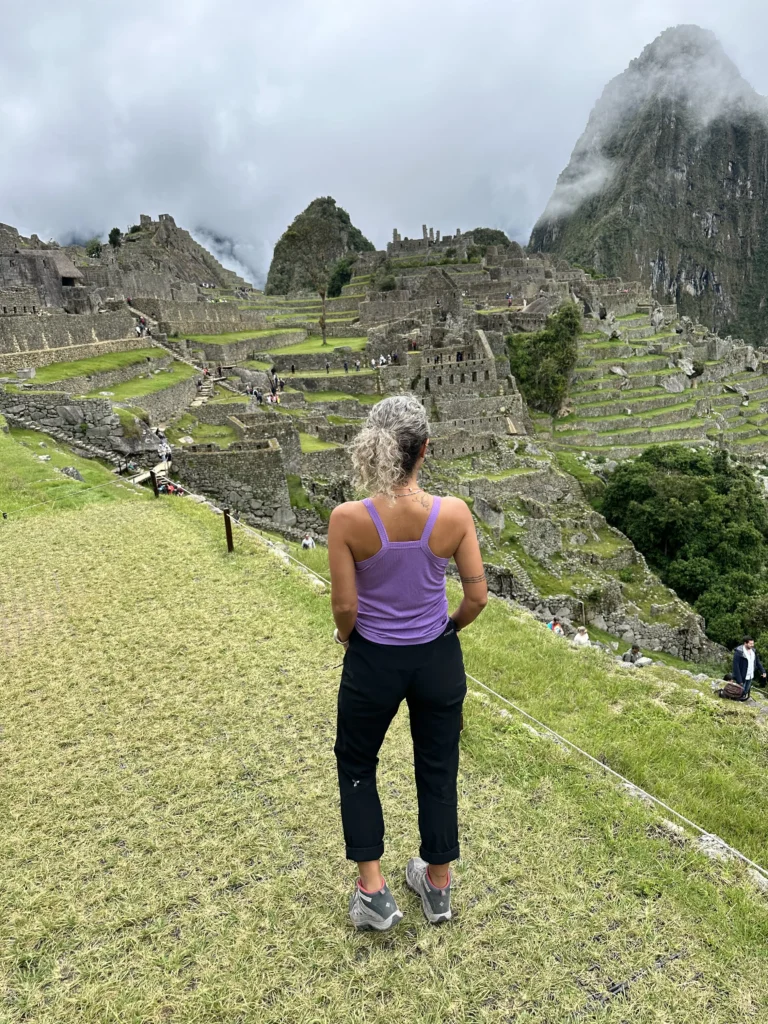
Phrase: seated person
pixel 582 637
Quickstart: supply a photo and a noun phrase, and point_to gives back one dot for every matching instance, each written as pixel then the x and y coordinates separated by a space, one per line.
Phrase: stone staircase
pixel 205 392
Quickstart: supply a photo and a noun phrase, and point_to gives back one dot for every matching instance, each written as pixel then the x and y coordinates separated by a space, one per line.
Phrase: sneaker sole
pixel 383 926
pixel 432 918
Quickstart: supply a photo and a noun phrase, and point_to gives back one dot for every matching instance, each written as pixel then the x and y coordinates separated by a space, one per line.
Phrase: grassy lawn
pixel 227 339
pixel 172 849
pixel 147 385
pixel 315 344
pixel 255 364
pixel 98 364
pixel 201 433
pixel 310 443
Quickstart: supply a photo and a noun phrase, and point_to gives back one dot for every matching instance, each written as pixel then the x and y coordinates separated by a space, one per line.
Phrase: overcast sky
pixel 232 115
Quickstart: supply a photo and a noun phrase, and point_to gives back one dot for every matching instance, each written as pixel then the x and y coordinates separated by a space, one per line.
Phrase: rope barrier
pixel 75 490
pixel 562 739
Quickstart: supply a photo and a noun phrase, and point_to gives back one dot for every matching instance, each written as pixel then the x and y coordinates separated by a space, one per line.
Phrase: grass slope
pixel 26 480
pixel 140 386
pixel 98 364
pixel 172 849
pixel 315 344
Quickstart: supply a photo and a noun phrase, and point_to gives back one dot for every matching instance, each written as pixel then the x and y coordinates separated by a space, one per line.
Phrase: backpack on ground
pixel 732 691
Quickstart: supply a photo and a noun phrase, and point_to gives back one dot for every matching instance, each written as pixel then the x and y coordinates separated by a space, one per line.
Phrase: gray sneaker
pixel 377 910
pixel 436 903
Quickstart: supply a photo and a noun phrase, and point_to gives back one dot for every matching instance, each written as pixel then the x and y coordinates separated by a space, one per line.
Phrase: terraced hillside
pixel 172 850
pixel 656 385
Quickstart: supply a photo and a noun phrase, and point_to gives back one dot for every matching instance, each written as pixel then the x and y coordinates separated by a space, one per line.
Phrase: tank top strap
pixel 377 522
pixel 431 519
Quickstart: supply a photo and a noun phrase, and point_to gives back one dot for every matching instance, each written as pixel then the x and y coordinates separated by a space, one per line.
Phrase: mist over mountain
pixel 669 184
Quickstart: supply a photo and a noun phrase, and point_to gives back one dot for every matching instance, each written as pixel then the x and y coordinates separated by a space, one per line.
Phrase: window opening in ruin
pixel 451 378
pixel 439 381
pixel 474 375
pixel 486 375
pixel 426 383
pixel 462 378
pixel 68 282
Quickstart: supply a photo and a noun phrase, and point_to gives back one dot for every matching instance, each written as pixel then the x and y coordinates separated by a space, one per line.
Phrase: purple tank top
pixel 401 596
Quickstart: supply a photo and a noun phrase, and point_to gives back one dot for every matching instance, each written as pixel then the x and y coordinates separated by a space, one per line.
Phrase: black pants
pixel 374 681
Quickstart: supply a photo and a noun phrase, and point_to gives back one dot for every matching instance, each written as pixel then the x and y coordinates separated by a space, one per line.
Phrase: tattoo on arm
pixel 473 579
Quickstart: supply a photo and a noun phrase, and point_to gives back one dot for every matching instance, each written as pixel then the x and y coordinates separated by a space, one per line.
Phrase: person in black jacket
pixel 747 666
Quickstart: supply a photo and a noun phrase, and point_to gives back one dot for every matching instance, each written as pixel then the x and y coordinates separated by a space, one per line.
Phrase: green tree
pixel 543 362
pixel 341 274
pixel 115 238
pixel 701 522
pixel 93 247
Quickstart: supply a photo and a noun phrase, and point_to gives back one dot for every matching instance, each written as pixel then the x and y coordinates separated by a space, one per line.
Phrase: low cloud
pixel 233 120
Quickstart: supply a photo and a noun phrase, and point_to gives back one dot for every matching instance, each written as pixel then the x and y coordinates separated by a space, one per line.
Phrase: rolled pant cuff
pixel 365 852
pixel 432 857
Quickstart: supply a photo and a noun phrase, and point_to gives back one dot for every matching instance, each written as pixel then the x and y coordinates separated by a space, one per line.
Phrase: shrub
pixel 115 238
pixel 542 362
pixel 341 274
pixel 388 284
pixel 93 247
pixel 134 229
pixel 702 523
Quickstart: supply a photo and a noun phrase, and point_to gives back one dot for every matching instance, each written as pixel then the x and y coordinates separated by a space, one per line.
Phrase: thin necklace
pixel 413 490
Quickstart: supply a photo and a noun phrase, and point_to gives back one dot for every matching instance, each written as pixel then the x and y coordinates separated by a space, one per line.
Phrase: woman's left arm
pixel 342 566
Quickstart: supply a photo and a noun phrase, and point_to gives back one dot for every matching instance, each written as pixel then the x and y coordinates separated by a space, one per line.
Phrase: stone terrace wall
pixel 248 477
pixel 115 282
pixel 34 333
pixel 351 383
pixel 84 419
pixel 379 311
pixel 332 462
pixel 44 357
pixel 544 486
pixel 455 443
pixel 261 426
pixel 200 317
pixel 164 405
pixel 108 378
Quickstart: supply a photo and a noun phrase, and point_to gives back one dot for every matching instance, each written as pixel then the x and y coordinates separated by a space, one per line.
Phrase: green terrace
pixel 228 339
pixel 55 372
pixel 147 385
pixel 201 433
pixel 310 443
pixel 315 344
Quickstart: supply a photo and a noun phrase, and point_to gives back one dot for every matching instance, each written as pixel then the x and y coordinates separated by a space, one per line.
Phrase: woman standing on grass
pixel 388 556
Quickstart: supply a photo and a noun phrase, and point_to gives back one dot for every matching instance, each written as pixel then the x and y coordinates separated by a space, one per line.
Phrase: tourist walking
pixel 747 667
pixel 357 366
pixel 293 368
pixel 327 366
pixel 346 366
pixel 307 542
pixel 388 556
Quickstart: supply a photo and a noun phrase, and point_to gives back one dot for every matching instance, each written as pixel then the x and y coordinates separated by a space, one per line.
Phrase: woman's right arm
pixel 342 567
pixel 469 562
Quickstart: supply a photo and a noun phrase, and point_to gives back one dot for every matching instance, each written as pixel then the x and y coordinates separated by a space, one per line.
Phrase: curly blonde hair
pixel 386 450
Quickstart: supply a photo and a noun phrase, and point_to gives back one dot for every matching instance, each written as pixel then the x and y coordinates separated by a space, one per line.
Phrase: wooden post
pixel 153 478
pixel 228 528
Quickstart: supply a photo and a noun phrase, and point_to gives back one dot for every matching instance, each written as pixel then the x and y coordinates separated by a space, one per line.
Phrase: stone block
pixel 26 373
pixel 485 511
